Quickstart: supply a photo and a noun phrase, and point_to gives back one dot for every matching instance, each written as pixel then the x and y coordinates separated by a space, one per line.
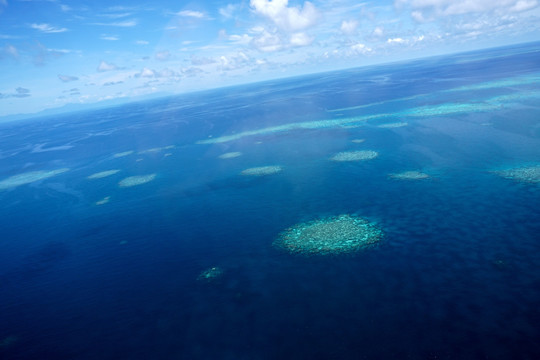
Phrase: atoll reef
pixel 333 235
pixel 261 171
pixel 210 274
pixel 230 155
pixel 136 180
pixel 409 175
pixel 103 174
pixel 29 177
pixel 529 174
pixel 355 155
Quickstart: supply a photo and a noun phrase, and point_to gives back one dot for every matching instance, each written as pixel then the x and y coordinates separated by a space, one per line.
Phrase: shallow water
pixel 456 275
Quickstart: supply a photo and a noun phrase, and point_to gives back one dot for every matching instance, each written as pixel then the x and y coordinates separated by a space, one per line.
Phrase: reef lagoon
pixel 384 212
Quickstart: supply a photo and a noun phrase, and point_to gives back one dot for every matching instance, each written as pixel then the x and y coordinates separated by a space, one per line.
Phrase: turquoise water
pixel 149 230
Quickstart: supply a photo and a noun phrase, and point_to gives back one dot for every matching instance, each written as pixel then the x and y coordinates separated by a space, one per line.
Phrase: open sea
pixel 152 230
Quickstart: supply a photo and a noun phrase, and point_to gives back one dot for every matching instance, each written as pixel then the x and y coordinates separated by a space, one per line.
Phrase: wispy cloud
pixel 42 54
pixel 116 15
pixel 67 78
pixel 10 51
pixel 228 11
pixel 429 10
pixel 46 28
pixel 109 37
pixel 163 55
pixel 348 27
pixel 20 92
pixel 126 23
pixel 191 13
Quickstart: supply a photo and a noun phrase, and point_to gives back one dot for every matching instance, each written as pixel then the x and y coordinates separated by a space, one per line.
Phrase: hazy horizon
pixel 54 53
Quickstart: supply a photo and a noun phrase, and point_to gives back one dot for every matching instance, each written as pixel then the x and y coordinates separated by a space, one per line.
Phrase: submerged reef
pixel 230 155
pixel 332 235
pixel 7 341
pixel 122 154
pixel 529 174
pixel 29 177
pixel 210 274
pixel 103 201
pixel 156 150
pixel 136 180
pixel 355 155
pixel 261 171
pixel 409 175
pixel 103 174
pixel 393 125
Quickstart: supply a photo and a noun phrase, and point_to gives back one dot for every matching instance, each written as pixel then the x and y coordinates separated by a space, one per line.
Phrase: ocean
pixel 383 212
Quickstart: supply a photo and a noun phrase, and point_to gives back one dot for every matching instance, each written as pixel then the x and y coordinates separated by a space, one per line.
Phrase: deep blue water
pixel 456 276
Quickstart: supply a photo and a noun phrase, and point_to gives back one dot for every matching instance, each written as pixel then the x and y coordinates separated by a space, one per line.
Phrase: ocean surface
pixel 135 232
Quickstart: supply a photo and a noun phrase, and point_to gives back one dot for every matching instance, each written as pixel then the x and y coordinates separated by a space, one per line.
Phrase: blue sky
pixel 54 53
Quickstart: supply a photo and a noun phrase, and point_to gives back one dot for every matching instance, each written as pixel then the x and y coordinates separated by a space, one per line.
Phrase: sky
pixel 54 53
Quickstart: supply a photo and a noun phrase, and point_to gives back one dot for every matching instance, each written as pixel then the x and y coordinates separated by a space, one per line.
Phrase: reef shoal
pixel 332 235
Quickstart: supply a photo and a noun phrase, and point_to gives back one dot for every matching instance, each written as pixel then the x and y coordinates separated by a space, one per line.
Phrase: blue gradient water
pixel 457 275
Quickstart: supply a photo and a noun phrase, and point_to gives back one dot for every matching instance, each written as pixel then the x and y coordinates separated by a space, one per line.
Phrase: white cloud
pixel 378 32
pixel 396 41
pixel 284 17
pixel 191 13
pixel 233 62
pixel 146 72
pixel 524 5
pixel 157 74
pixel 105 66
pixel 142 42
pixel 243 39
pixel 360 49
pixel 348 27
pixel 301 39
pixel 267 42
pixel 46 28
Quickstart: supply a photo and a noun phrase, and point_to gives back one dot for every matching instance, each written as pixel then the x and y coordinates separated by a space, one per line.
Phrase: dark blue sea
pixel 127 233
